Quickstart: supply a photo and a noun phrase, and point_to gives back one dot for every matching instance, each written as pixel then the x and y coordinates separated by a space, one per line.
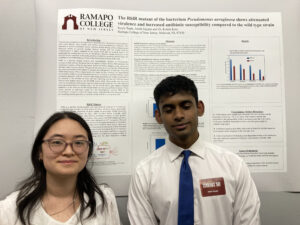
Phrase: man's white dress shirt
pixel 224 192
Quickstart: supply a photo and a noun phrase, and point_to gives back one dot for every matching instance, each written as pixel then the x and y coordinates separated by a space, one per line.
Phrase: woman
pixel 61 190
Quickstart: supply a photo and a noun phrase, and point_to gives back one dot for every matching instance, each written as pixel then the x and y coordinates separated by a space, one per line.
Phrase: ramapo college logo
pixel 88 21
pixel 72 18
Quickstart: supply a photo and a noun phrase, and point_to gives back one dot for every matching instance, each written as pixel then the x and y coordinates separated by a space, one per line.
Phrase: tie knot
pixel 186 154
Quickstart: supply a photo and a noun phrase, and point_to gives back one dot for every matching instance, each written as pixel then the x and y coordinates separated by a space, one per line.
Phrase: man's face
pixel 179 114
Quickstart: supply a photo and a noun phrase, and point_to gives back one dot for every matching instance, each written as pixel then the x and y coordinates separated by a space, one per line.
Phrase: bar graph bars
pixel 159 142
pixel 246 67
pixel 154 109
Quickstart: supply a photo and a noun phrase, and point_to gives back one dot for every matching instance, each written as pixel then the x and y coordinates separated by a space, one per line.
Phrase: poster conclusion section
pixel 109 61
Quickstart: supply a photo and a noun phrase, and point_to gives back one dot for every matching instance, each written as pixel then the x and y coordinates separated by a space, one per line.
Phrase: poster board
pixel 42 112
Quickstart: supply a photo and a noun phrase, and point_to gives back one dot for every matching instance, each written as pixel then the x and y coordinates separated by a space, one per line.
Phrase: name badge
pixel 212 187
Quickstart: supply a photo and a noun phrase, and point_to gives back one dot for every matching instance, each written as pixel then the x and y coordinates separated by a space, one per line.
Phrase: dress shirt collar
pixel 174 151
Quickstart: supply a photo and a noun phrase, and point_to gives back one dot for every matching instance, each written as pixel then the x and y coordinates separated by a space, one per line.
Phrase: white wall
pixel 17 89
pixel 17 84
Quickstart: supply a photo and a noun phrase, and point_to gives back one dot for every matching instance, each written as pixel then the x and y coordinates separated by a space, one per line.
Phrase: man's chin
pixel 182 136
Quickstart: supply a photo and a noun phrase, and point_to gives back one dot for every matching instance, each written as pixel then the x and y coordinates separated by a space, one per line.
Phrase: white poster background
pixel 198 65
pixel 105 53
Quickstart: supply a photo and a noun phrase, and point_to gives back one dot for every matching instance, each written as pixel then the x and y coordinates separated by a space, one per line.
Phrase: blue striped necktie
pixel 186 192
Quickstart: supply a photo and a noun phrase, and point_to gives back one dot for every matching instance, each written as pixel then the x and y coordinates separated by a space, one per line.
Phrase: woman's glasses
pixel 58 146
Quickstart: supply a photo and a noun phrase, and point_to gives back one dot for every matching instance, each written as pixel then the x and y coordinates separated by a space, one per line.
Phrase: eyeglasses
pixel 58 146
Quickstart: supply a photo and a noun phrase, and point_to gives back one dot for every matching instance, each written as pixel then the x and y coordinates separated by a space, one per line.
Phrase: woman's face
pixel 67 162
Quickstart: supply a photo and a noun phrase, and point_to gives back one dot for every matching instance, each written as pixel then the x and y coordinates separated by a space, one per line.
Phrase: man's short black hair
pixel 173 85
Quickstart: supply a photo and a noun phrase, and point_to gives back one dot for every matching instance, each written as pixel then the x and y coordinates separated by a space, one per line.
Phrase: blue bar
pixel 259 74
pixel 240 72
pixel 159 142
pixel 230 61
pixel 154 108
pixel 250 73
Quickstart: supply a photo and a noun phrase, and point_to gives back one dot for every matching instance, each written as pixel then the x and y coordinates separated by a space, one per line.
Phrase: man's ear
pixel 200 108
pixel 158 117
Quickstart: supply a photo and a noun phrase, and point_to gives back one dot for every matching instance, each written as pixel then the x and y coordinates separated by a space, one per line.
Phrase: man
pixel 205 185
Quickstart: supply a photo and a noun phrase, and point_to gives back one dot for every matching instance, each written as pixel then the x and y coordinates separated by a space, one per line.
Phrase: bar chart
pixel 157 140
pixel 246 68
pixel 151 108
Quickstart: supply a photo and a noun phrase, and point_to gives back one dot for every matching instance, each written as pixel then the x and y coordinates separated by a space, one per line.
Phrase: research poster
pixel 109 61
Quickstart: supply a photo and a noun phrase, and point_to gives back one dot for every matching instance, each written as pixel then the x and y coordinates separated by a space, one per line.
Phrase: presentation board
pixel 220 65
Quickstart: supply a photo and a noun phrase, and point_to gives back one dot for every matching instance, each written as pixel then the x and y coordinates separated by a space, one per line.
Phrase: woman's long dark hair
pixel 33 188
